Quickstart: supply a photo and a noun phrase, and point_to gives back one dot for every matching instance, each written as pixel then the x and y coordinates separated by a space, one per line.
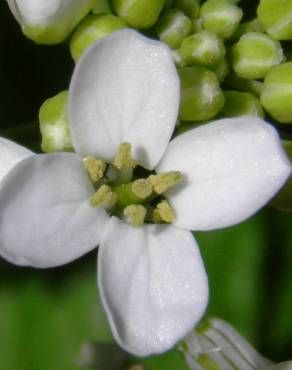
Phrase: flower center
pixel 129 191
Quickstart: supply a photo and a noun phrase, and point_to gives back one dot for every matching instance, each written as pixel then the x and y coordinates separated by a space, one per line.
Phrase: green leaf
pixel 46 316
pixel 233 259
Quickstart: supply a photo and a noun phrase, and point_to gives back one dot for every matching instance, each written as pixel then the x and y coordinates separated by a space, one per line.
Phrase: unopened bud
pixel 276 18
pixel 253 86
pixel 138 13
pixel 221 17
pixel 91 29
pixel 246 27
pixel 239 103
pixel 201 96
pixel 221 70
pixel 101 7
pixel 203 49
pixel 49 22
pixel 276 95
pixel 255 54
pixel 189 7
pixel 173 27
pixel 54 124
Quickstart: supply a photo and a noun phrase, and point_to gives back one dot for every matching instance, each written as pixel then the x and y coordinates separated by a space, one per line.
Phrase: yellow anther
pixel 95 168
pixel 123 157
pixel 163 213
pixel 103 197
pixel 164 181
pixel 136 214
pixel 142 188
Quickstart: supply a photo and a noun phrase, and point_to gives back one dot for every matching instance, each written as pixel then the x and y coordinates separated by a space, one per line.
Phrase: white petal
pixel 152 283
pixel 232 167
pixel 33 11
pixel 58 17
pixel 45 216
pixel 124 89
pixel 10 154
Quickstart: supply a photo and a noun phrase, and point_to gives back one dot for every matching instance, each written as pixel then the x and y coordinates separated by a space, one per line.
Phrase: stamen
pixel 95 168
pixel 163 213
pixel 164 181
pixel 136 214
pixel 123 157
pixel 142 188
pixel 103 197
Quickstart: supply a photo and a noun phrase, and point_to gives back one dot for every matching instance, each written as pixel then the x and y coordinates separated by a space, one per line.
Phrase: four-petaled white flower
pixel 49 21
pixel 151 278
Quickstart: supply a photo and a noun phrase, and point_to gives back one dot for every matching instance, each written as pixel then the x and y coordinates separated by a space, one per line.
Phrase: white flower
pixel 49 21
pixel 151 278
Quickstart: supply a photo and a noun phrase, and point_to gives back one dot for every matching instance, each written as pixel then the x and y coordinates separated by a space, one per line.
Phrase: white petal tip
pixel 153 285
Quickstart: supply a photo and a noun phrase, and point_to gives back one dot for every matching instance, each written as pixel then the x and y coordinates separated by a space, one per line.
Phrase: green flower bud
pixel 92 28
pixel 53 124
pixel 178 60
pixel 189 7
pixel 276 18
pixel 236 82
pixel 239 103
pixel 101 7
pixel 276 95
pixel 255 54
pixel 173 27
pixel 186 126
pixel 138 13
pixel 204 49
pixel 49 22
pixel 221 17
pixel 197 25
pixel 222 69
pixel 201 96
pixel 283 200
pixel 245 27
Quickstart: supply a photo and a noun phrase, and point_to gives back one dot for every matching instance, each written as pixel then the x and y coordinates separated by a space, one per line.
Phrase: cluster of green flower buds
pixel 229 67
pixel 217 54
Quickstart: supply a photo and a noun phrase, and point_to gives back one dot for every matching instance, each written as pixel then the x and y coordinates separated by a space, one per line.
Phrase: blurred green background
pixel 46 315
